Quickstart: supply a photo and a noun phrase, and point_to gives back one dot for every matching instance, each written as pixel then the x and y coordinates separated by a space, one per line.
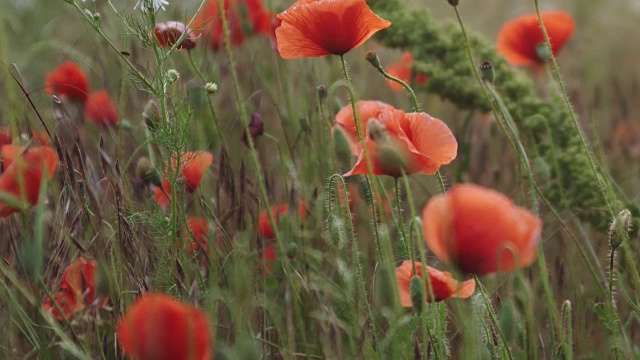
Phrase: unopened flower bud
pixel 151 114
pixel 620 229
pixel 385 289
pixel 322 92
pixel 543 52
pixel 342 147
pixel 487 71
pixel 416 289
pixel 374 60
pixel 147 173
pixel 211 88
pixel 256 128
pixel 172 76
pixel 390 156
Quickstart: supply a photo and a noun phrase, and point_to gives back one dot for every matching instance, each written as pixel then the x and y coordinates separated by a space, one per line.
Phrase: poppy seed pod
pixel 256 128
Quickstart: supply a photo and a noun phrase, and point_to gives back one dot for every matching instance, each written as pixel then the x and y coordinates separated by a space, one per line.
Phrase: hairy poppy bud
pixel 543 52
pixel 389 157
pixel 147 173
pixel 374 60
pixel 488 74
pixel 416 290
pixel 256 128
pixel 620 229
pixel 342 147
pixel 151 114
pixel 172 76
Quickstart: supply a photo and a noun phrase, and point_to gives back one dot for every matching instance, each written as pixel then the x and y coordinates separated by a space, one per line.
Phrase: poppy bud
pixel 172 76
pixel 543 52
pixel 322 92
pixel 389 156
pixel 256 128
pixel 147 173
pixel 374 60
pixel 620 229
pixel 453 2
pixel 342 147
pixel 337 231
pixel 488 74
pixel 151 114
pixel 385 288
pixel 417 293
pixel 507 318
pixel 211 88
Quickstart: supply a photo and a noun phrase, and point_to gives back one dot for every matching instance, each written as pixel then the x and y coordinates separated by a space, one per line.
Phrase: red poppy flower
pixel 519 40
pixel 158 327
pixel 199 229
pixel 406 143
pixel 268 258
pixel 244 17
pixel 443 284
pixel 264 227
pixel 22 178
pixel 402 71
pixel 8 153
pixel 193 165
pixel 365 109
pixel 100 109
pixel 313 28
pixel 480 230
pixel 67 81
pixel 168 33
pixel 77 289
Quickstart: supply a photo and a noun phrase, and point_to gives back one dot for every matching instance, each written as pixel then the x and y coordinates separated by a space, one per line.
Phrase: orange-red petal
pixel 365 110
pixel 67 80
pixel 313 28
pixel 100 109
pixel 443 284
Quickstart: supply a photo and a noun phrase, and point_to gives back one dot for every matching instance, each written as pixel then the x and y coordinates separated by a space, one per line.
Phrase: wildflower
pixel 244 17
pixel 520 40
pixel 152 114
pixel 403 71
pixel 365 109
pixel 21 179
pixel 77 290
pixel 211 88
pixel 256 128
pixel 172 76
pixel 101 110
pixel 8 153
pixel 199 229
pixel 480 230
pixel 443 284
pixel 159 327
pixel 268 258
pixel 313 28
pixel 400 143
pixel 168 33
pixel 264 227
pixel 67 80
pixel 192 167
pixel 157 4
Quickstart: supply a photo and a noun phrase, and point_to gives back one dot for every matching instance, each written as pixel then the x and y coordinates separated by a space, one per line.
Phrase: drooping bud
pixel 172 76
pixel 416 289
pixel 487 71
pixel 256 128
pixel 147 173
pixel 151 114
pixel 543 52
pixel 374 60
pixel 620 229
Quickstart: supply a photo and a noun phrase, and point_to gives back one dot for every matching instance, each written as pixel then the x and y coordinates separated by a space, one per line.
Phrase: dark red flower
pixel 67 81
pixel 313 28
pixel 101 110
pixel 520 39
pixel 168 33
pixel 443 284
pixel 22 178
pixel 256 127
pixel 158 327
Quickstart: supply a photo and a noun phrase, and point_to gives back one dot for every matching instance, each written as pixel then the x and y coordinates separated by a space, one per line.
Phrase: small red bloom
pixel 264 227
pixel 443 284
pixel 158 327
pixel 313 28
pixel 67 80
pixel 21 179
pixel 168 33
pixel 244 17
pixel 100 109
pixel 410 143
pixel 268 258
pixel 5 137
pixel 77 290
pixel 480 230
pixel 193 165
pixel 199 228
pixel 402 71
pixel 519 39
pixel 365 110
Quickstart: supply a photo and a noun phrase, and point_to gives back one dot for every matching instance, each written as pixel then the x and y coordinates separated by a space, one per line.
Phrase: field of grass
pixel 205 210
